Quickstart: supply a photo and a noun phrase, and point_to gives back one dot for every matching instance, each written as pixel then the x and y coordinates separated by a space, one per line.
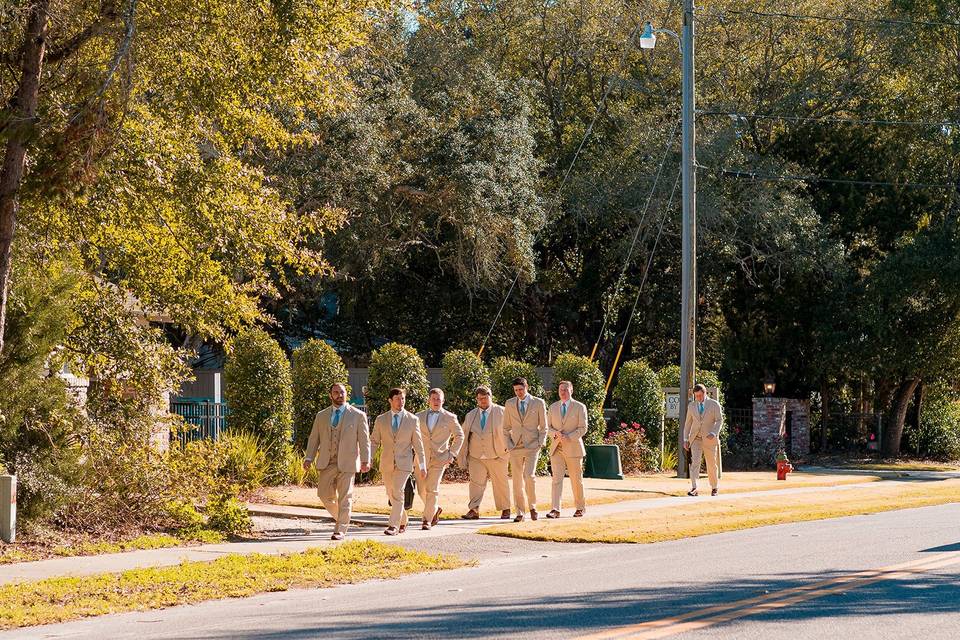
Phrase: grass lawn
pixel 233 576
pixel 453 496
pixel 31 551
pixel 719 515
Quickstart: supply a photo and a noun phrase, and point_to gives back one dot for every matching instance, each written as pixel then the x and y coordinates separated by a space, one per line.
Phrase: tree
pixel 503 371
pixel 130 132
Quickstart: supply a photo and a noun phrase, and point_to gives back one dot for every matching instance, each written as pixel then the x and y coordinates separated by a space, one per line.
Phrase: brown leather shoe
pixel 505 514
pixel 473 514
pixel 553 514
pixel 390 531
pixel 519 518
pixel 692 492
pixel 578 513
pixel 436 517
pixel 425 526
pixel 402 528
pixel 533 514
pixel 713 492
pixel 337 536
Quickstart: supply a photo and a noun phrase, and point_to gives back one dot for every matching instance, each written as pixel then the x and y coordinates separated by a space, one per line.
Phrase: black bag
pixel 409 491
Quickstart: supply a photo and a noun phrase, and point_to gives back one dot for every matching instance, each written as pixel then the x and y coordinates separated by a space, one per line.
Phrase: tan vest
pixel 481 444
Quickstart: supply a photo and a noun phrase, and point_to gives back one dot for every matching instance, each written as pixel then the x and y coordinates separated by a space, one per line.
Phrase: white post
pixel 8 508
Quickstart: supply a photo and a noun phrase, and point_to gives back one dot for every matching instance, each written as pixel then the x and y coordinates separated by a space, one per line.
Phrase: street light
pixel 688 297
pixel 769 385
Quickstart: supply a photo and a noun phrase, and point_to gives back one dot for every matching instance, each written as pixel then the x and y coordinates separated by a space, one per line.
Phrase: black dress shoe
pixel 713 492
pixel 519 518
pixel 692 492
pixel 553 514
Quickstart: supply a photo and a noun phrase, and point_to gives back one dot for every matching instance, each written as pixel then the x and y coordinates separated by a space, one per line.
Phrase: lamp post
pixel 688 297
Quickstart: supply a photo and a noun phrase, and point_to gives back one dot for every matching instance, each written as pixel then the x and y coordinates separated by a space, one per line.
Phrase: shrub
pixel 315 366
pixel 639 397
pixel 396 365
pixel 228 515
pixel 244 462
pixel 503 370
pixel 636 455
pixel 296 474
pixel 463 372
pixel 185 519
pixel 258 392
pixel 938 435
pixel 588 384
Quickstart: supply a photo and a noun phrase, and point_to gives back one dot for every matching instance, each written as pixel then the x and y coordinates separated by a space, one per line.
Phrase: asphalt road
pixel 805 580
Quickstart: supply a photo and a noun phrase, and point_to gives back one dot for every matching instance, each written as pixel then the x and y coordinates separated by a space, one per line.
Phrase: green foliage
pixel 228 515
pixel 296 474
pixel 588 384
pixel 258 392
pixel 939 434
pixel 639 397
pixel 503 370
pixel 185 519
pixel 396 365
pixel 463 372
pixel 636 454
pixel 315 366
pixel 245 463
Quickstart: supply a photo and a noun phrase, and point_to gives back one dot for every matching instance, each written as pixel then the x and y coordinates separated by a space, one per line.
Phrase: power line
pixel 761 177
pixel 636 234
pixel 833 119
pixel 823 18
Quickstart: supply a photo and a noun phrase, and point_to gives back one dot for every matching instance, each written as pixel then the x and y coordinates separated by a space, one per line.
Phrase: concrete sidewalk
pixel 370 527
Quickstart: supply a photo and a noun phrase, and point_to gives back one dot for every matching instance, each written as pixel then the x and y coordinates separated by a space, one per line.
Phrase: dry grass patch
pixel 718 515
pixel 234 576
pixel 454 495
pixel 89 546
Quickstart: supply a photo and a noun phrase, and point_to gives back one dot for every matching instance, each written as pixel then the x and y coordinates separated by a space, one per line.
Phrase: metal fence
pixel 202 420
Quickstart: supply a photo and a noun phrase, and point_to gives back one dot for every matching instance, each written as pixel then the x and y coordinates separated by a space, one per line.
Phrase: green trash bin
pixel 603 461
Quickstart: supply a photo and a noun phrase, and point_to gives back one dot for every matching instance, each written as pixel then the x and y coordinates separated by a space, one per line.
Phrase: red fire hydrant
pixel 783 468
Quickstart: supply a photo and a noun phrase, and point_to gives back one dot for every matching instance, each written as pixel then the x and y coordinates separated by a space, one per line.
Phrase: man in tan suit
pixel 525 423
pixel 485 454
pixel 398 431
pixel 339 447
pixel 437 427
pixel 701 436
pixel 568 425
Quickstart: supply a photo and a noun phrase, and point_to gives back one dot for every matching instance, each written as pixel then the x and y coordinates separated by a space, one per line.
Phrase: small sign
pixel 672 400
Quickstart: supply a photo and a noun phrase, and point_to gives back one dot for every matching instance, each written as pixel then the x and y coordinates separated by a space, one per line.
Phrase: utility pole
pixel 688 300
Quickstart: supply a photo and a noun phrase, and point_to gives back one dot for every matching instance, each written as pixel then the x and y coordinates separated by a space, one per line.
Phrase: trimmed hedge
pixel 503 370
pixel 639 398
pixel 588 384
pixel 396 365
pixel 315 367
pixel 259 395
pixel 463 372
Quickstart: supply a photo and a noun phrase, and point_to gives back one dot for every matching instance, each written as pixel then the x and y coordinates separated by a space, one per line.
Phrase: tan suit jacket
pixel 573 425
pixel 437 447
pixel 528 430
pixel 495 422
pixel 354 447
pixel 709 423
pixel 398 451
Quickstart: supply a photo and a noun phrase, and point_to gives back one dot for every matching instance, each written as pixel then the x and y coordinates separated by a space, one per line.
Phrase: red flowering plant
pixel 636 456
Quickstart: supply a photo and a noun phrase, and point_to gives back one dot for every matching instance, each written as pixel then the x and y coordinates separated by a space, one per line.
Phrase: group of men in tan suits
pixel 493 440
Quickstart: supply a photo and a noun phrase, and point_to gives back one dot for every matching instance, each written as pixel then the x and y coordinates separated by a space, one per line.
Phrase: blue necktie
pixel 483 420
pixel 701 408
pixel 336 419
pixel 523 407
pixel 563 410
pixel 396 423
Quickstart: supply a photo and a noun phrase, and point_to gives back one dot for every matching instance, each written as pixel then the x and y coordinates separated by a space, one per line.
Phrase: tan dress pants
pixel 496 470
